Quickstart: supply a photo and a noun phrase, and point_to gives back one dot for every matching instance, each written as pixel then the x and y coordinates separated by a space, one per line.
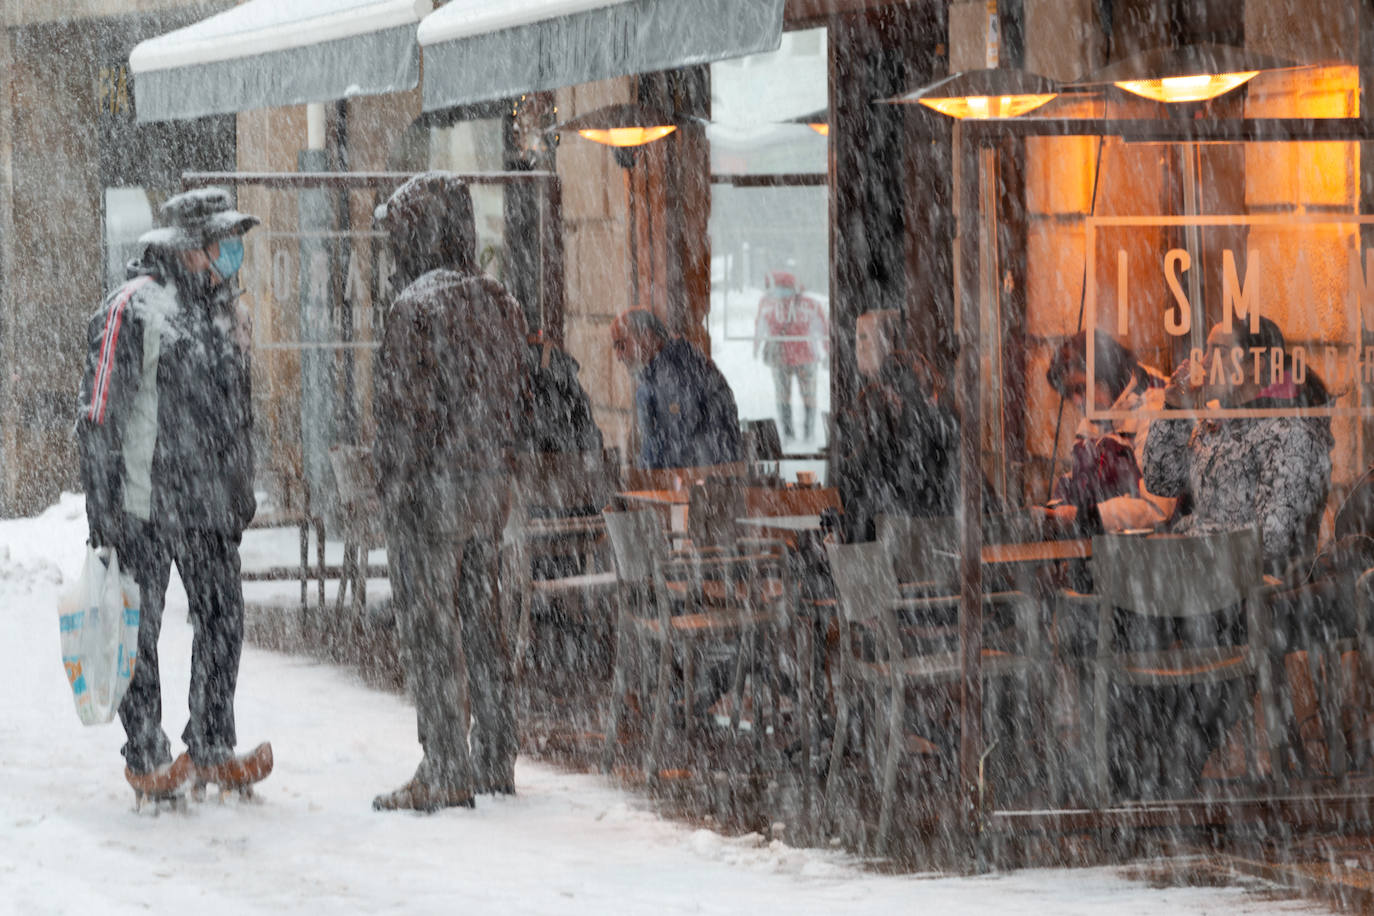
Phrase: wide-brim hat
pixel 196 218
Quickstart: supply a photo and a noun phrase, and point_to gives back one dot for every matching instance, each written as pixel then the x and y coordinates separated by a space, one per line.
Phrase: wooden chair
pixel 906 656
pixel 556 513
pixel 762 444
pixel 662 604
pixel 924 552
pixel 1183 577
pixel 360 520
pixel 292 510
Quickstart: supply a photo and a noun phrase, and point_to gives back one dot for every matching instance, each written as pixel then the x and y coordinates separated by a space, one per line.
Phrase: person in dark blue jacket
pixel 686 411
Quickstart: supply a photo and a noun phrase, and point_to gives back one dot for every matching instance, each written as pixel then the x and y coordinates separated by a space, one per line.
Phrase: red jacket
pixel 800 322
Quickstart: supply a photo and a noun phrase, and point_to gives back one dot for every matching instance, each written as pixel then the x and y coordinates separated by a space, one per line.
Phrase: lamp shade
pixel 983 94
pixel 819 121
pixel 625 125
pixel 1192 73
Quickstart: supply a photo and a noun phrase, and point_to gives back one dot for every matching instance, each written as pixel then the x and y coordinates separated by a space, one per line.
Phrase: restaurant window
pixel 769 235
pixel 476 146
pixel 1266 243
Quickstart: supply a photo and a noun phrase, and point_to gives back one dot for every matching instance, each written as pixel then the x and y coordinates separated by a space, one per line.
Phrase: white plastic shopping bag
pixel 98 618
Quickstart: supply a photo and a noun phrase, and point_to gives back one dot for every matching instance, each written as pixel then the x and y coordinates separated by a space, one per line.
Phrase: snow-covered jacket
pixel 165 415
pixel 450 381
pixel 687 414
pixel 1271 471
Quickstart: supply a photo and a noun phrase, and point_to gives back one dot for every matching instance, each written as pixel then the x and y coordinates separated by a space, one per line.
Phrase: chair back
pixel 1172 575
pixel 921 549
pixel 638 543
pixel 761 440
pixel 864 579
pixel 360 507
pixel 713 505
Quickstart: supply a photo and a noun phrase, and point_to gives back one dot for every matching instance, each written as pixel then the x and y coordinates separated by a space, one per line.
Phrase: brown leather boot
pixel 166 782
pixel 419 796
pixel 240 771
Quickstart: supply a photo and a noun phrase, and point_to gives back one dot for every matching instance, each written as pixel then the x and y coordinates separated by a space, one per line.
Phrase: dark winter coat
pixel 898 458
pixel 451 379
pixel 1272 471
pixel 165 414
pixel 687 413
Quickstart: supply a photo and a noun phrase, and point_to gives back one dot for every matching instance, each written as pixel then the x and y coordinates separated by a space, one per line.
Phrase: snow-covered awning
pixel 476 50
pixel 266 53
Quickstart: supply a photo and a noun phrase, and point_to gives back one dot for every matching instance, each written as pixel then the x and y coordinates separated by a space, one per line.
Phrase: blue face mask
pixel 230 257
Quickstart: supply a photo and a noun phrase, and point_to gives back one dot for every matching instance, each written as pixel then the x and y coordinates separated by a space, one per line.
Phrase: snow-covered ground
pixel 71 843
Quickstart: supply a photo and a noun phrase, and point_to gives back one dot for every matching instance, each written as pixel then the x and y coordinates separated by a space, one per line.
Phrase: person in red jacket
pixel 794 334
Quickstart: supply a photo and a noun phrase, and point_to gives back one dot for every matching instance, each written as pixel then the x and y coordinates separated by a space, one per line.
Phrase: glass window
pixel 769 234
pixel 128 214
pixel 476 146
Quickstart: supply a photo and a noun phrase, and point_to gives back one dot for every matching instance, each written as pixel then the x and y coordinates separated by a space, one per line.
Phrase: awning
pixel 267 53
pixel 477 50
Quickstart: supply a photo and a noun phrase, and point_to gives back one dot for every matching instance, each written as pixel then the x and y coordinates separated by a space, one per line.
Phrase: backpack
pixel 558 413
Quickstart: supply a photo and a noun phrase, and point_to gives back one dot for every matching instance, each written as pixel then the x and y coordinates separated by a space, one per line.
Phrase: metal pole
pixel 968 310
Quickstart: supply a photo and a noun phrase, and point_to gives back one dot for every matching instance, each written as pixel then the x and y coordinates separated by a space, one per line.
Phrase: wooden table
pixel 655 497
pixel 671 503
pixel 790 527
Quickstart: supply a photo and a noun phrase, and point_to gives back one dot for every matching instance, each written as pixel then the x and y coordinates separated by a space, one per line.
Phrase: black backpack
pixel 558 412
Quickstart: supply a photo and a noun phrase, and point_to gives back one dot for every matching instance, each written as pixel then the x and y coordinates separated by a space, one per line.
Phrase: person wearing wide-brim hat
pixel 164 425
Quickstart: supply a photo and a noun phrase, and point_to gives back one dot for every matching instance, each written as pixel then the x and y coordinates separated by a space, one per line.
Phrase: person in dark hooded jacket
pixel 451 389
pixel 899 459
pixel 684 406
pixel 164 431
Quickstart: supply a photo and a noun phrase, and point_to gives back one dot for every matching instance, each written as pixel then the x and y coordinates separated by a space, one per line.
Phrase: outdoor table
pixel 671 503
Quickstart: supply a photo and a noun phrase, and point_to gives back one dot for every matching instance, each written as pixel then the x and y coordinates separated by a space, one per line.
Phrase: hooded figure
pixel 164 426
pixel 450 389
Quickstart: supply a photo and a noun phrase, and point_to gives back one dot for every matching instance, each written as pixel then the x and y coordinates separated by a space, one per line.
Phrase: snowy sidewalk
pixel 71 843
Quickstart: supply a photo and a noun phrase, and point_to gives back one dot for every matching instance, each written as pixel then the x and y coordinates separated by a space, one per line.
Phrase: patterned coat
pixel 1273 471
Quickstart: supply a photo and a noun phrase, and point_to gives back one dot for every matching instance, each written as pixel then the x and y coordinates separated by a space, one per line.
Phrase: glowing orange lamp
pixel 624 127
pixel 1192 73
pixel 983 94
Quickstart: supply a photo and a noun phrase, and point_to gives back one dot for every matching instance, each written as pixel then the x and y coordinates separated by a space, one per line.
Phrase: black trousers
pixel 444 556
pixel 208 562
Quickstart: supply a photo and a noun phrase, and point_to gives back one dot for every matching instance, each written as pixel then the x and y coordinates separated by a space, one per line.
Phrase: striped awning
pixel 478 50
pixel 269 53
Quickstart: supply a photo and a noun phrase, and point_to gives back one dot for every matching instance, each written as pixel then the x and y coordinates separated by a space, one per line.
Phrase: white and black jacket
pixel 164 419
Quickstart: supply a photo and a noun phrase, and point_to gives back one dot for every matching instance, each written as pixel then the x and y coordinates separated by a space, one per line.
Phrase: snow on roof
pixel 464 18
pixel 263 26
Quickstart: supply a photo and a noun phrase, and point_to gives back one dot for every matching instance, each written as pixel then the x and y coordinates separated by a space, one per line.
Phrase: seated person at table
pixel 900 444
pixel 1271 471
pixel 1103 491
pixel 686 411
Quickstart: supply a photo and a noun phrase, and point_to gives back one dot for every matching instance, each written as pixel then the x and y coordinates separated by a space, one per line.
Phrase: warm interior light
pixel 1196 87
pixel 986 106
pixel 626 136
pixel 820 127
